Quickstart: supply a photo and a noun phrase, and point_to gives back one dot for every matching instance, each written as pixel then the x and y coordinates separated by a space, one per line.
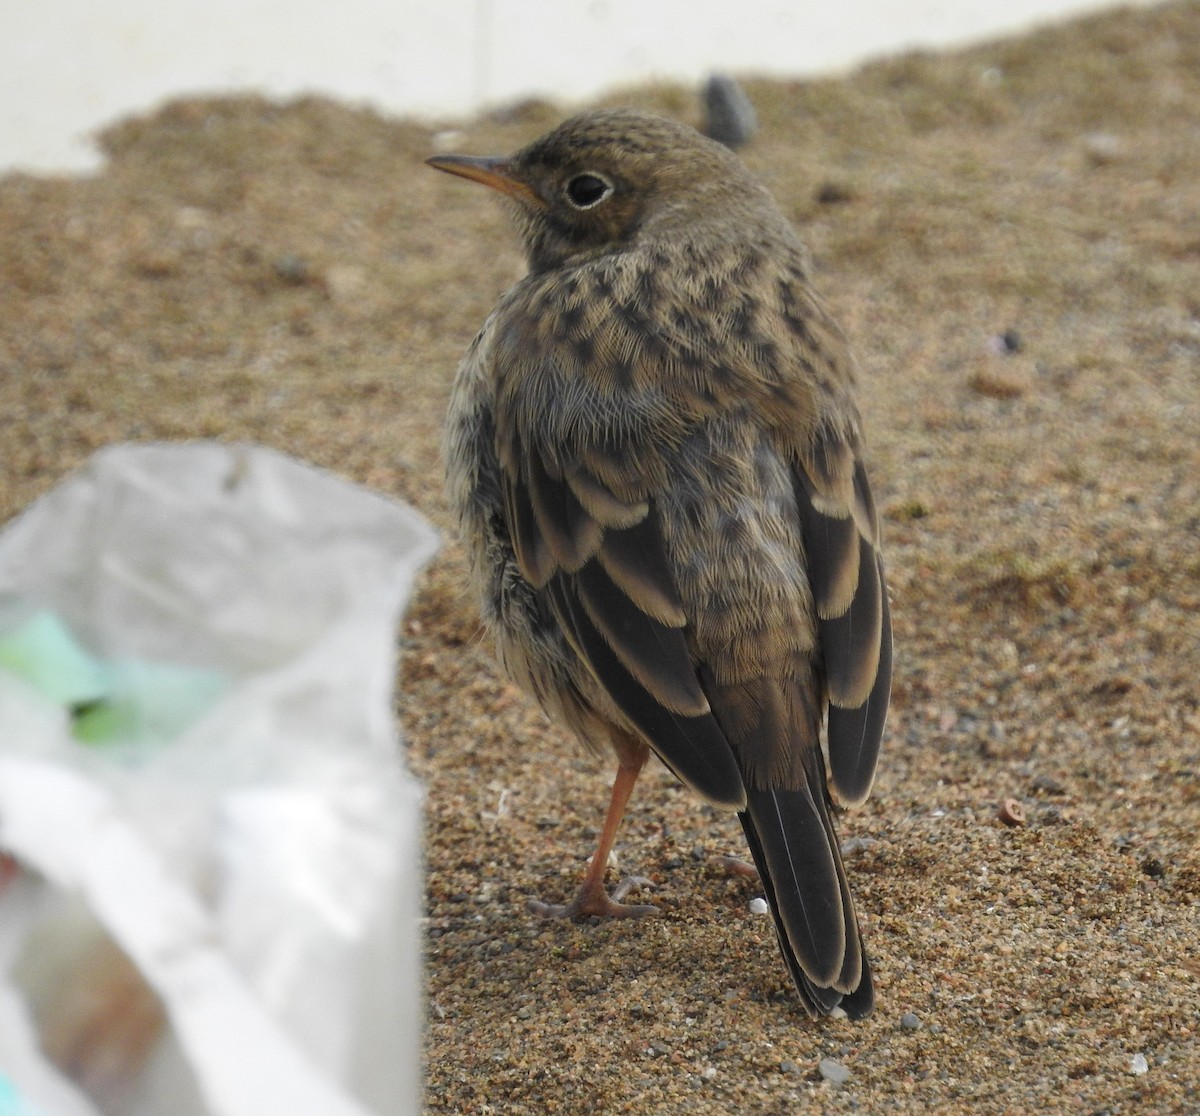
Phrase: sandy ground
pixel 1011 236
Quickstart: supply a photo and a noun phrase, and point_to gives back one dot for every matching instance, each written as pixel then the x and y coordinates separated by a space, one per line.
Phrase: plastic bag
pixel 201 785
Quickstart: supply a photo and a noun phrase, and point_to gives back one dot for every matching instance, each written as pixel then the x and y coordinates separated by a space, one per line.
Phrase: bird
pixel 655 456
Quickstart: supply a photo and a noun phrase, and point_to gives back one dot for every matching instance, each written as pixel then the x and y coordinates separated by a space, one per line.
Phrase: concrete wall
pixel 69 66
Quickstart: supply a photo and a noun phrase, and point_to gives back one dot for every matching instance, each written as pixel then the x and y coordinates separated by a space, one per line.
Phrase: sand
pixel 1011 236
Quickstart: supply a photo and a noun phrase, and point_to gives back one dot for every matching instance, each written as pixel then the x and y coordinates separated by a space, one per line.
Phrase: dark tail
pixel 795 848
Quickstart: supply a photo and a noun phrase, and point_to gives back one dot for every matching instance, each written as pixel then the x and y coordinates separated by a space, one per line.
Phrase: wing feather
pixel 636 560
pixel 841 536
pixel 854 734
pixel 693 747
pixel 656 655
pixel 602 563
pixel 570 533
pixel 601 504
pixel 534 557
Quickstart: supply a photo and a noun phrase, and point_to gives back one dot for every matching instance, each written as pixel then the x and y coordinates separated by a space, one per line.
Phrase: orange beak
pixel 493 171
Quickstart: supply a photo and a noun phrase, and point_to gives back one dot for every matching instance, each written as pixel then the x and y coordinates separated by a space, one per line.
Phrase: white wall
pixel 70 66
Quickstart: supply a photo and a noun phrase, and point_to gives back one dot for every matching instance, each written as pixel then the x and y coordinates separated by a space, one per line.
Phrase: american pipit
pixel 654 451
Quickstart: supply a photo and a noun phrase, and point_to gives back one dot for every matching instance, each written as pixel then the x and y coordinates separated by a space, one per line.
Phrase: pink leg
pixel 592 899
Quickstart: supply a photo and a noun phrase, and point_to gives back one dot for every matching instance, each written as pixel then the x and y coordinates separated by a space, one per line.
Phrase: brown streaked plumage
pixel 654 451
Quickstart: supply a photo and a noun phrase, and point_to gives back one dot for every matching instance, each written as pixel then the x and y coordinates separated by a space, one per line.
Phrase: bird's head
pixel 601 180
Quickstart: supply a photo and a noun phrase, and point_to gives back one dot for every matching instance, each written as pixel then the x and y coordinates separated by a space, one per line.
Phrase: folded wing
pixel 841 536
pixel 602 564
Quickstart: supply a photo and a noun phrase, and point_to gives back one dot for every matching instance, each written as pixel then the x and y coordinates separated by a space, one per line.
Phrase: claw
pixel 596 902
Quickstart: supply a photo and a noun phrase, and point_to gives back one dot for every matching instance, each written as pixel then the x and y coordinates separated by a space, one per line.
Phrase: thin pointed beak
pixel 493 171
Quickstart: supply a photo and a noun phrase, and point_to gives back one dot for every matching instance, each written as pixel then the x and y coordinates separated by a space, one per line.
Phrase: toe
pixel 595 902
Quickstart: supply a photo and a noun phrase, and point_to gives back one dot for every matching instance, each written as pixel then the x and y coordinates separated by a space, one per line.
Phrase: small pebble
pixel 999 385
pixel 1045 784
pixel 834 193
pixel 854 845
pixel 833 1071
pixel 759 906
pixel 1138 1065
pixel 729 117
pixel 1103 147
pixel 1154 867
pixel 1012 812
pixel 1004 344
pixel 292 269
pixel 910 1021
pixel 345 283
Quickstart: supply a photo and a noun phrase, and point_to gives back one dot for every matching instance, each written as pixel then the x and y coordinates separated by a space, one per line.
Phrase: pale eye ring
pixel 588 189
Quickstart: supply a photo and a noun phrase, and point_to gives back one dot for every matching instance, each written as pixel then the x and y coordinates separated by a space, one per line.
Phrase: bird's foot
pixel 595 901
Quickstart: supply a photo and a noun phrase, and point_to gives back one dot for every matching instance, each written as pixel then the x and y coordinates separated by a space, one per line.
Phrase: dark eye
pixel 587 190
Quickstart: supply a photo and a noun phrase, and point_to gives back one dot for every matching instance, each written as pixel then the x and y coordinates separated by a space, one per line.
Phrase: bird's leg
pixel 591 898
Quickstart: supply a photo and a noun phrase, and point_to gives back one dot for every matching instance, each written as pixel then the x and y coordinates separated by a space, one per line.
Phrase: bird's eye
pixel 587 190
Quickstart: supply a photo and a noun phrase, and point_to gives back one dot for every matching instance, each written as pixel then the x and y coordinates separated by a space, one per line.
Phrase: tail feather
pixel 795 848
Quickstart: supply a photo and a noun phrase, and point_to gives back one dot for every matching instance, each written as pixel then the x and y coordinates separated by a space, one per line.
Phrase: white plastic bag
pixel 199 773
